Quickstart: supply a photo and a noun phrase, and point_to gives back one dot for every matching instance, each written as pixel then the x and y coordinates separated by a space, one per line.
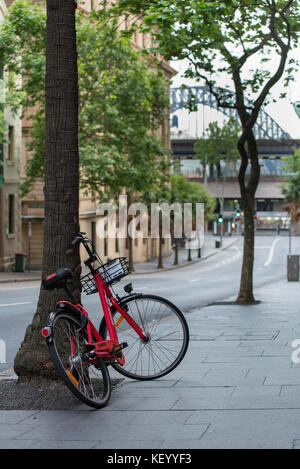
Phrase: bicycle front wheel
pixel 90 382
pixel 167 333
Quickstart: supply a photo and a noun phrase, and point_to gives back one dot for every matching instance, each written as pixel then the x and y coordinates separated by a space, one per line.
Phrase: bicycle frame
pixel 106 348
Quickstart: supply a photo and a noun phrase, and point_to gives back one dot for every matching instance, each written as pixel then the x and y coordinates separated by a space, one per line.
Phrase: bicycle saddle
pixel 57 280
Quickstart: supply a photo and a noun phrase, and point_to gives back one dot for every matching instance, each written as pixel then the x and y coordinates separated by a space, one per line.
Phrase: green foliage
pixel 182 190
pixel 219 144
pixel 122 101
pixel 220 39
pixel 291 189
pixel 293 163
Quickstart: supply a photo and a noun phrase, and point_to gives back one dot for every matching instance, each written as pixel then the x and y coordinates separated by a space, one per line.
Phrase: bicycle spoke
pixel 69 350
pixel 167 338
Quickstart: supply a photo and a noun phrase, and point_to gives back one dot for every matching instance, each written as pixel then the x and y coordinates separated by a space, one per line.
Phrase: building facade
pixel 10 203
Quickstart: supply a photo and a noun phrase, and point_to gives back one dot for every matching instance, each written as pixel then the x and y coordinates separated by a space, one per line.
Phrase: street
pixel 214 279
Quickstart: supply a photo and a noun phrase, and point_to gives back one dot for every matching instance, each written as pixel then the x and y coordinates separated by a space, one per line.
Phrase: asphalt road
pixel 189 287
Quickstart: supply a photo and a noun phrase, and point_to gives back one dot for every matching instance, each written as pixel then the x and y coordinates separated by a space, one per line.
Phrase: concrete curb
pixel 33 279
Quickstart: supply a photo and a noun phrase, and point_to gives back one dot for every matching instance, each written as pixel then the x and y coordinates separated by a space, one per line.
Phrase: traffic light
pixel 238 213
pixel 220 218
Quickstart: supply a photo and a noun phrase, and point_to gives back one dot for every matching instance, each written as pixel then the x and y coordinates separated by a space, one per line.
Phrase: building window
pixel 11 146
pixel 11 214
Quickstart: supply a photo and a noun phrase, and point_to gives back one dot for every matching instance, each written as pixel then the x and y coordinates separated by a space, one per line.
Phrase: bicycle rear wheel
pixel 90 382
pixel 167 333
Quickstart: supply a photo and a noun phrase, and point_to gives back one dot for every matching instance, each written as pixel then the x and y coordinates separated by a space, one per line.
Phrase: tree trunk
pixel 130 241
pixel 176 252
pixel 61 181
pixel 160 260
pixel 245 295
pixel 130 253
pixel 248 190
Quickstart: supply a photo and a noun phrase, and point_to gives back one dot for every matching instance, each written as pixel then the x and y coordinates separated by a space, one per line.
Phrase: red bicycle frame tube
pixel 103 347
pixel 105 294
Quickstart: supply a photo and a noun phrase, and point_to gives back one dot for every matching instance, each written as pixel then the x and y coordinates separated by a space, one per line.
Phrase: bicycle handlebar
pixel 82 238
pixel 76 241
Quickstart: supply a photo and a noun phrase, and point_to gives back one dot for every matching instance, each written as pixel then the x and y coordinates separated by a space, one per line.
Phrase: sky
pixel 282 111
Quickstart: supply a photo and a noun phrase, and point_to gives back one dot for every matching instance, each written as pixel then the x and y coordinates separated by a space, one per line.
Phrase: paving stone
pixel 161 418
pixel 15 416
pixel 125 432
pixel 256 391
pixel 11 431
pixel 62 444
pixel 129 444
pixel 15 444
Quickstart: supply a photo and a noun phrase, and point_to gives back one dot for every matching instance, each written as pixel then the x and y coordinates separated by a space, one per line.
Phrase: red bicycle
pixel 143 337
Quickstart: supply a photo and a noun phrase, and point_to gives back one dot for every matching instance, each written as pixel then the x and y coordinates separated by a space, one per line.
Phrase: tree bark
pixel 61 181
pixel 248 190
pixel 176 252
pixel 160 260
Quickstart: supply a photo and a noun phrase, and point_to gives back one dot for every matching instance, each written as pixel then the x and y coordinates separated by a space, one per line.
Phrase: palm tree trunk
pixel 61 180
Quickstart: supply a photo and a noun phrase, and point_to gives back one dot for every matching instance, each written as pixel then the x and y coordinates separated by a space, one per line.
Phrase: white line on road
pixel 16 304
pixel 271 253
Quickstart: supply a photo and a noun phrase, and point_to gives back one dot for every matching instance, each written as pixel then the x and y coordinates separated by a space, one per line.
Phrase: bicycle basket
pixel 114 270
pixel 88 284
pixel 111 272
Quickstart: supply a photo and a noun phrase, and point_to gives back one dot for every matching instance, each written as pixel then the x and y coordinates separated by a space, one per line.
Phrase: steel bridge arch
pixel 265 128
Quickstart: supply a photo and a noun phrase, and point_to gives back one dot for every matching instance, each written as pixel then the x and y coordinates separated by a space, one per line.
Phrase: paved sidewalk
pixel 236 388
pixel 208 250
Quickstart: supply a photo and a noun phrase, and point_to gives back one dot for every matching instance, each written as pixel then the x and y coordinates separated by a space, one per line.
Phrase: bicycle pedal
pixel 117 349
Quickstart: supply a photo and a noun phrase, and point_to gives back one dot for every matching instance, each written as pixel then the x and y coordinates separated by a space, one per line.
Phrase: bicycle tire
pixel 93 388
pixel 159 365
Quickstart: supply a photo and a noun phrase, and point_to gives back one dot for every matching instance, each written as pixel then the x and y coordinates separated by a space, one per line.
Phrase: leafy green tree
pixel 121 101
pixel 238 42
pixel 219 144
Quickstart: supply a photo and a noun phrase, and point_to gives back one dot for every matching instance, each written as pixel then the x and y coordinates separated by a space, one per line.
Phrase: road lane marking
pixel 16 304
pixel 271 253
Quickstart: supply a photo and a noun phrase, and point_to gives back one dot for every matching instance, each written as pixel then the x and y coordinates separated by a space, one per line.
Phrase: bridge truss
pixel 265 128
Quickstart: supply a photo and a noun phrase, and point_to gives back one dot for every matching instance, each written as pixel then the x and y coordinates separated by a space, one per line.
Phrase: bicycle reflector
pixel 46 332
